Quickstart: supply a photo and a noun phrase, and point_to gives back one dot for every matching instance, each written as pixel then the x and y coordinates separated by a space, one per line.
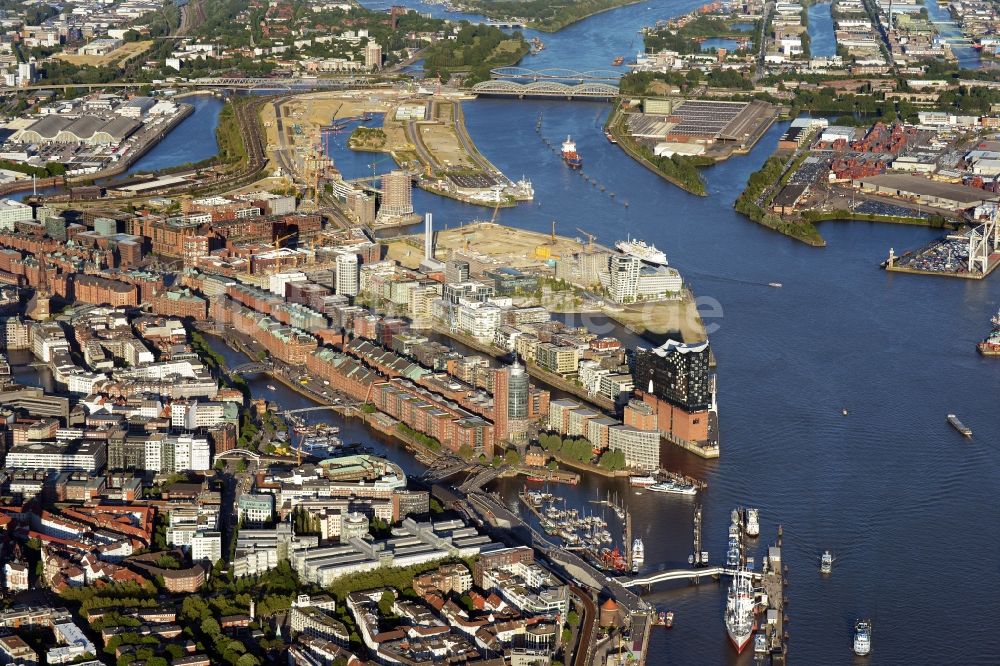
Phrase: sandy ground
pixel 123 52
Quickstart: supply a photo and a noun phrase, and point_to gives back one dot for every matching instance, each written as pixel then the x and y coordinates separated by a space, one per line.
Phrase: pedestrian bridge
pixel 250 368
pixel 303 410
pixel 679 574
pixel 550 89
pixel 554 74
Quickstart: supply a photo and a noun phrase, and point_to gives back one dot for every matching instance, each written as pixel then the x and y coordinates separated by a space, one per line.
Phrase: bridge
pixel 547 89
pixel 554 74
pixel 252 368
pixel 512 24
pixel 680 574
pixel 238 453
pixel 303 410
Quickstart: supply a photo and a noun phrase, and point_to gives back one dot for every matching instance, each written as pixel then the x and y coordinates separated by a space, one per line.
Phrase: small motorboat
pixel 271 387
pixel 776 285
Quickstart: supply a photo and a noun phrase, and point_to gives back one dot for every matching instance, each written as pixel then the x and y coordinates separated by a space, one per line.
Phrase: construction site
pixel 488 246
pixel 427 138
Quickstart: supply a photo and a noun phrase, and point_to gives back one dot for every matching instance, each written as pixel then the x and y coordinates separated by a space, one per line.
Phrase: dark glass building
pixel 677 372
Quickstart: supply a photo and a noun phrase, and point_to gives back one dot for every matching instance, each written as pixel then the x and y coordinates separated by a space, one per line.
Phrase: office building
pixel 510 403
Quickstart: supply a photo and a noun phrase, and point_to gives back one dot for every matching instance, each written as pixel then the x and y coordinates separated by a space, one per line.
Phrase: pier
pixel 773 626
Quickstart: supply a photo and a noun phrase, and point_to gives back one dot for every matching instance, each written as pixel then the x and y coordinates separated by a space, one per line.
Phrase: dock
pixel 773 626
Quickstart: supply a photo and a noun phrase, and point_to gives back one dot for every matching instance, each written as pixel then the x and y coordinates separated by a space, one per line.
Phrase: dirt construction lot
pixel 123 52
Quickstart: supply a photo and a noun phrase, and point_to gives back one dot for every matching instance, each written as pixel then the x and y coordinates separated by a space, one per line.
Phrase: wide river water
pixel 900 498
pixel 905 503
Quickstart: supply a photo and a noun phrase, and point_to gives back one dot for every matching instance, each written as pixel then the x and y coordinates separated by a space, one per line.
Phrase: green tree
pixel 386 602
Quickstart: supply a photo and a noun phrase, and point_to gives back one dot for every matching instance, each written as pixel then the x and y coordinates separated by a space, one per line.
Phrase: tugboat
pixel 990 346
pixel 826 562
pixel 862 637
pixel 668 619
pixel 569 154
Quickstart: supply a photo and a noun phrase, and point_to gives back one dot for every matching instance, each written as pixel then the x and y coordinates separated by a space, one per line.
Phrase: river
pixel 192 141
pixel 881 487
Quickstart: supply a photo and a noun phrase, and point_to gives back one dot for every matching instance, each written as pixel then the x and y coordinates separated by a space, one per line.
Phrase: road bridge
pixel 546 89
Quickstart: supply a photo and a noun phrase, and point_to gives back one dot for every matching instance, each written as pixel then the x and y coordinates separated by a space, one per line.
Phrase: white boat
pixel 826 562
pixel 862 637
pixel 638 554
pixel 776 285
pixel 753 523
pixel 739 616
pixel 642 481
pixel 760 643
pixel 270 387
pixel 675 487
pixel 639 250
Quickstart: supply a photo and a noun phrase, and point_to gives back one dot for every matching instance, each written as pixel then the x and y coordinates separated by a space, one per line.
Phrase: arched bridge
pixel 679 574
pixel 238 454
pixel 554 74
pixel 549 89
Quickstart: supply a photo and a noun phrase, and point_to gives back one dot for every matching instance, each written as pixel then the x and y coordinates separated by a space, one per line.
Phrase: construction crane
pixel 590 238
pixel 552 236
pixel 277 247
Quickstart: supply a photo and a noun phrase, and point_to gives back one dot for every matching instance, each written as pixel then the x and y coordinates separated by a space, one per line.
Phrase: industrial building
pixel 948 196
pixel 87 129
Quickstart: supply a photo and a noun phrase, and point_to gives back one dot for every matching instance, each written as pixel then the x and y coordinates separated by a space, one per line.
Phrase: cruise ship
pixel 639 249
pixel 740 618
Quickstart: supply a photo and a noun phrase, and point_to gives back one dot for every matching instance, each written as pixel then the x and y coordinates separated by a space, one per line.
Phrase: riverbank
pixel 692 185
pixel 550 26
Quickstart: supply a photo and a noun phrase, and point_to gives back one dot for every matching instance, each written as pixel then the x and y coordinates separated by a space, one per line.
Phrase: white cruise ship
pixel 639 250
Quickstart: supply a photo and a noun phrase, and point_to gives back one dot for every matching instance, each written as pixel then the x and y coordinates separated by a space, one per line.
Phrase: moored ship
pixel 639 250
pixel 638 554
pixel 740 606
pixel 675 487
pixel 569 154
pixel 642 481
pixel 753 523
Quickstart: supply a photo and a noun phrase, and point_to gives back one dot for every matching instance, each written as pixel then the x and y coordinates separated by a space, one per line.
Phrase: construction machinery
pixel 590 238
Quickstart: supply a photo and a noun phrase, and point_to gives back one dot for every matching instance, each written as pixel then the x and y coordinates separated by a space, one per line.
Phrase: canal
pixel 822 41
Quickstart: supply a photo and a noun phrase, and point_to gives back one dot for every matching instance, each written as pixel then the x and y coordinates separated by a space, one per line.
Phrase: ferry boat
pixel 753 523
pixel 639 249
pixel 826 562
pixel 641 481
pixel 569 154
pixel 990 346
pixel 617 62
pixel 638 554
pixel 959 426
pixel 674 487
pixel 739 616
pixel 862 637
